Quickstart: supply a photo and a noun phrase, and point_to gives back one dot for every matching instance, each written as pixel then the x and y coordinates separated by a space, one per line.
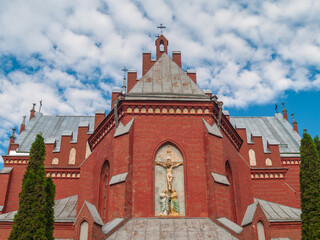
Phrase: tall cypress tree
pixel 310 188
pixel 31 220
pixel 50 192
pixel 317 142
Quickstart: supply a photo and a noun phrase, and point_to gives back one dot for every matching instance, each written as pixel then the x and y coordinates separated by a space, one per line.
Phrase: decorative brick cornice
pixel 164 108
pixel 268 173
pixel 167 109
pixel 291 162
pixel 147 108
pixel 63 173
pixel 15 160
pixel 72 173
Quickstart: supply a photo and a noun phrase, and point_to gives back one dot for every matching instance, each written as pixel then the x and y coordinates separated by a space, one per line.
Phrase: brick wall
pixel 4 189
pixel 291 230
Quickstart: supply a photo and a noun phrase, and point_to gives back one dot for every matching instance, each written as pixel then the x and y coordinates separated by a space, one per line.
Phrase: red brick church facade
pixel 236 177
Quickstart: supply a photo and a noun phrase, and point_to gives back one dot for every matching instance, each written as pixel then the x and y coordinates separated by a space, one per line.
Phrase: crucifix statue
pixel 169 165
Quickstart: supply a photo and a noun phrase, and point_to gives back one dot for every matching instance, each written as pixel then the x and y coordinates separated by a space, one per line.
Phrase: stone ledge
pixel 218 178
pixel 231 225
pixel 107 228
pixel 6 170
pixel 213 130
pixel 118 178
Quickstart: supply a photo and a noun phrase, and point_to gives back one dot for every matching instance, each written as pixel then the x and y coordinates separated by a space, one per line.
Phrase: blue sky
pixel 69 54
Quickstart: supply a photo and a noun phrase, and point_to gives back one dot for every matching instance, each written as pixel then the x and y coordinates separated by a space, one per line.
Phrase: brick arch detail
pixel 103 189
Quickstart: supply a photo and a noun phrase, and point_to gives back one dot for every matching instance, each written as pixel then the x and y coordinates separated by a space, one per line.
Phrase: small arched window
pixel 55 161
pixel 268 162
pixel 84 230
pixel 72 156
pixel 252 158
pixel 260 229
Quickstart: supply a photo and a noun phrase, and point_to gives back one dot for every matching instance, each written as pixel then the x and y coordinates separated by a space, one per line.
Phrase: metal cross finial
pixel 124 87
pixel 40 106
pixel 124 70
pixel 276 107
pixel 13 132
pixel 24 120
pixel 161 27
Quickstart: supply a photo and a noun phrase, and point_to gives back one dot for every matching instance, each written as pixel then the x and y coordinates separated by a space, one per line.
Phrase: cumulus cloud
pixel 69 54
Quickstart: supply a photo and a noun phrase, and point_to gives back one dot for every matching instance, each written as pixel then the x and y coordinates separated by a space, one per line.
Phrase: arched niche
pixel 260 229
pixel 72 156
pixel 268 162
pixel 84 230
pixel 103 187
pixel 55 161
pixel 169 181
pixel 252 158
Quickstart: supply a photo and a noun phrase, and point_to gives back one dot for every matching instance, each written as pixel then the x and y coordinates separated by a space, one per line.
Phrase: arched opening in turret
pixel 161 46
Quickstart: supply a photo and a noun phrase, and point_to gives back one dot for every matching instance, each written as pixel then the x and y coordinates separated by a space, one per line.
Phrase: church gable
pixel 166 77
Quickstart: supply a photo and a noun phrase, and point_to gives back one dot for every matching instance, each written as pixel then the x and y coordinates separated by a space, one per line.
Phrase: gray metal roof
pixel 166 78
pixel 109 226
pixel 166 228
pixel 274 130
pixel 94 213
pixel 65 210
pixel 248 216
pixel 231 225
pixel 276 212
pixel 52 127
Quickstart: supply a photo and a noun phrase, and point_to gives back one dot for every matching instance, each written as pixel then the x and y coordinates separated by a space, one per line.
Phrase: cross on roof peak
pixel 124 70
pixel 161 26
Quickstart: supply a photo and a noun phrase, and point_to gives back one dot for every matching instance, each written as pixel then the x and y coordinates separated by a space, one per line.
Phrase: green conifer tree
pixel 50 192
pixel 310 189
pixel 30 222
pixel 317 142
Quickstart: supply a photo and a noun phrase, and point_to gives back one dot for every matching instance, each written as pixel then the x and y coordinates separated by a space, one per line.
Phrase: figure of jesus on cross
pixel 169 166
